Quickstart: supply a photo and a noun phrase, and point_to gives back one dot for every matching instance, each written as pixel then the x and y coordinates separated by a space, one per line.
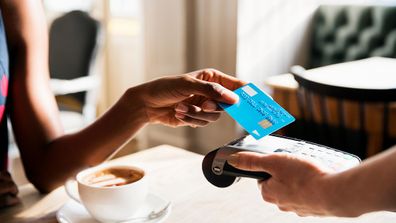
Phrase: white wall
pixel 185 35
pixel 165 42
pixel 214 44
pixel 165 37
pixel 272 36
pixel 250 38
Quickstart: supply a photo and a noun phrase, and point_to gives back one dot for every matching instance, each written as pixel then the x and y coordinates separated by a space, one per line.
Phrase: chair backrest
pixel 343 117
pixel 349 32
pixel 72 48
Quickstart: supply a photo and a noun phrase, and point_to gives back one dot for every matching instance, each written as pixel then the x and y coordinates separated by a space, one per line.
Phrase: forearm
pixel 69 153
pixel 48 155
pixel 366 188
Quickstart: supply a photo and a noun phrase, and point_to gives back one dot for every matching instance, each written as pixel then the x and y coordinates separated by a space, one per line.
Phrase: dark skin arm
pixel 49 156
pixel 8 190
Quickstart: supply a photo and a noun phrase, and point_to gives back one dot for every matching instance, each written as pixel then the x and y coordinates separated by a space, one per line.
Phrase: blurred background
pixel 141 40
pixel 100 48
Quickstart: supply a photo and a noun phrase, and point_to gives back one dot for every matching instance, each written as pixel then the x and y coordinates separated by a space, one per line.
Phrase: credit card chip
pixel 265 124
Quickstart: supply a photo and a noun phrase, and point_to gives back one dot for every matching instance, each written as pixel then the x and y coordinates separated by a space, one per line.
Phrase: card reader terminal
pixel 218 172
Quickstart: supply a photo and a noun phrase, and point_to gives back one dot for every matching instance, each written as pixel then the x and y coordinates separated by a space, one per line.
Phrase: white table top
pixel 176 174
pixel 371 73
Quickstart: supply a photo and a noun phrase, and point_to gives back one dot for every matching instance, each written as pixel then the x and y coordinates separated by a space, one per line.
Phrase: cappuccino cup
pixel 109 192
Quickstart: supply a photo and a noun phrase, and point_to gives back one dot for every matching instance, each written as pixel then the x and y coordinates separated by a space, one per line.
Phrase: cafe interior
pixel 330 63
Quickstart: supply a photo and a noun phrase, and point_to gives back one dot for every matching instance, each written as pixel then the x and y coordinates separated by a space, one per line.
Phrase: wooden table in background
pixel 175 174
pixel 372 73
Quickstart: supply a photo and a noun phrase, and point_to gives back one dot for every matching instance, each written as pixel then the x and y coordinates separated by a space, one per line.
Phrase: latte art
pixel 113 177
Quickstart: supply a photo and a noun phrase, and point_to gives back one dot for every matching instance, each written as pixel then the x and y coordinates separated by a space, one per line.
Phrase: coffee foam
pixel 112 177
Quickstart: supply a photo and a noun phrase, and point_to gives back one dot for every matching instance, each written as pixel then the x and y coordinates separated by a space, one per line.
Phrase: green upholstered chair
pixel 343 33
pixel 346 33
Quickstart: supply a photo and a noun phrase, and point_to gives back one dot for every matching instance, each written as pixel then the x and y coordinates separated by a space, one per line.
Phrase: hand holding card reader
pixel 218 172
pixel 260 116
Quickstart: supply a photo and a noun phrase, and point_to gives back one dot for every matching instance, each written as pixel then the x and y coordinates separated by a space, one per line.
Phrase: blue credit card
pixel 257 112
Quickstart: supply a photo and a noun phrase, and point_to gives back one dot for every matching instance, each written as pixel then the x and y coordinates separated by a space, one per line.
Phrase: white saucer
pixel 73 212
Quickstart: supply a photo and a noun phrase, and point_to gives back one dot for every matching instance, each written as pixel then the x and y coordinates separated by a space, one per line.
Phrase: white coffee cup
pixel 109 204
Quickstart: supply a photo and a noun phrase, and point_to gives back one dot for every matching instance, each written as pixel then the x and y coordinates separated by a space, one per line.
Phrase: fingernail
pixel 209 106
pixel 233 159
pixel 179 115
pixel 181 108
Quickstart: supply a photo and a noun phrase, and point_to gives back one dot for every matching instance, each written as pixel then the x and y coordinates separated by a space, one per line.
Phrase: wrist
pixel 327 193
pixel 151 101
pixel 134 103
pixel 337 199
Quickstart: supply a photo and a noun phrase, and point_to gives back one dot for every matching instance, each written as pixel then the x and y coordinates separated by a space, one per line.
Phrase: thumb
pixel 213 91
pixel 252 161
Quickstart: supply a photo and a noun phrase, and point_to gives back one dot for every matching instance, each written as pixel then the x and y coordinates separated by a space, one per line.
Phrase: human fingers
pixel 217 76
pixel 288 197
pixel 7 200
pixel 8 187
pixel 304 212
pixel 188 85
pixel 196 112
pixel 267 192
pixel 284 208
pixel 211 106
pixel 268 197
pixel 5 175
pixel 252 161
pixel 215 91
pixel 191 121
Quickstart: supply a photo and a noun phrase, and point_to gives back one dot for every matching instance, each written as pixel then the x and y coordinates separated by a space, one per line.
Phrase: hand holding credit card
pixel 256 112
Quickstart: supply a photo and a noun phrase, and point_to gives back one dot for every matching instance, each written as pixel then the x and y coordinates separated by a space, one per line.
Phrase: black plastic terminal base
pixel 217 180
pixel 230 173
